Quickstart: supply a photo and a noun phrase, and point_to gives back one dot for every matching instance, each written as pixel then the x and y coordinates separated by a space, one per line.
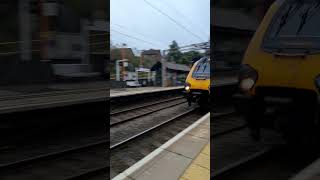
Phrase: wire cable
pixel 173 20
pixel 133 37
pixel 184 16
pixel 123 27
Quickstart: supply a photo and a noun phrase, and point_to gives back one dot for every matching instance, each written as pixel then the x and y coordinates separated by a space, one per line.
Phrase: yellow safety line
pixel 199 169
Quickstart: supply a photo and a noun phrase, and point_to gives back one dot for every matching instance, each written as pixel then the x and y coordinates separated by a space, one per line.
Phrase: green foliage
pixel 174 54
pixel 134 63
pixel 189 56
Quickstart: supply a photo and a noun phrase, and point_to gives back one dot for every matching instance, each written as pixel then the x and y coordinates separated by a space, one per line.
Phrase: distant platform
pixel 32 97
pixel 41 96
pixel 141 90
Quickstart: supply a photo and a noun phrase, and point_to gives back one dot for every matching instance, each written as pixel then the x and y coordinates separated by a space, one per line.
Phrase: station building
pixel 47 39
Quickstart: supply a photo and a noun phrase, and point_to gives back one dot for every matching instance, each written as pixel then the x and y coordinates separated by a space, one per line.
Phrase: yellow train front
pixel 198 82
pixel 280 73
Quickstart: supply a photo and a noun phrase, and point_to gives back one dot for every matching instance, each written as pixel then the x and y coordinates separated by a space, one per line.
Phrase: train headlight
pixel 247 77
pixel 187 87
pixel 246 84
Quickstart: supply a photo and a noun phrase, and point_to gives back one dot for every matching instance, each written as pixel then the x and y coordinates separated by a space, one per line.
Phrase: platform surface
pixel 133 91
pixel 178 158
pixel 199 169
pixel 140 90
pixel 31 97
pixel 312 172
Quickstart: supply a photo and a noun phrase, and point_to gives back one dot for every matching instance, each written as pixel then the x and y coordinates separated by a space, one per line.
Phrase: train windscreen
pixel 202 69
pixel 295 26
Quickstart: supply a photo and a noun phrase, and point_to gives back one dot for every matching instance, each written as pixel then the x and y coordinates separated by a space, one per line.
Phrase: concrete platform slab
pixel 18 98
pixel 199 169
pixel 312 172
pixel 200 131
pixel 188 146
pixel 11 105
pixel 142 90
pixel 203 160
pixel 195 172
pixel 167 166
pixel 172 159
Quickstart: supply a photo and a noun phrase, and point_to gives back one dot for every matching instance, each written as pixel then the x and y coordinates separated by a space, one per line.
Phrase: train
pixel 280 73
pixel 197 84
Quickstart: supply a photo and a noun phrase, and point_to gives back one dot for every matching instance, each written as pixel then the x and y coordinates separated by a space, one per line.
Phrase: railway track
pixel 73 163
pixel 64 146
pixel 130 150
pixel 224 123
pixel 144 105
pixel 231 145
pixel 129 114
pixel 236 156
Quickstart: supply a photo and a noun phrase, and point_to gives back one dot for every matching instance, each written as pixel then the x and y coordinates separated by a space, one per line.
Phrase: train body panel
pixel 198 82
pixel 282 61
pixel 280 70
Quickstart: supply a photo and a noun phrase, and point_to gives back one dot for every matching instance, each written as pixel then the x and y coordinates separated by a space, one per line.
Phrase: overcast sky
pixel 135 19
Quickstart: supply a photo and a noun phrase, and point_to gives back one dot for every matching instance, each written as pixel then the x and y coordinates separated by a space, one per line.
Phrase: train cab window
pixel 295 26
pixel 202 69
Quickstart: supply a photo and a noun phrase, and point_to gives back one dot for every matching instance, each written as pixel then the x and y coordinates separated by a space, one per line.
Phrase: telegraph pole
pixel 164 70
pixel 142 59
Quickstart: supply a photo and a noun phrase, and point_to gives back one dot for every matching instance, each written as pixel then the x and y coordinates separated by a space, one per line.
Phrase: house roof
pixel 127 51
pixel 151 52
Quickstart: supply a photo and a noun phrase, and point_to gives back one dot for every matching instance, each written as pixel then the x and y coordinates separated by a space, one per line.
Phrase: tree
pixel 189 56
pixel 174 54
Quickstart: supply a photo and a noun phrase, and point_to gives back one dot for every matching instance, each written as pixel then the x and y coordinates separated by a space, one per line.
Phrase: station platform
pixel 312 172
pixel 33 97
pixel 200 166
pixel 185 156
pixel 141 90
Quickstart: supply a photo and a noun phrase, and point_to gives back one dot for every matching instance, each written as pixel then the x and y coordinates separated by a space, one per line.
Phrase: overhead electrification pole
pixel 164 70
